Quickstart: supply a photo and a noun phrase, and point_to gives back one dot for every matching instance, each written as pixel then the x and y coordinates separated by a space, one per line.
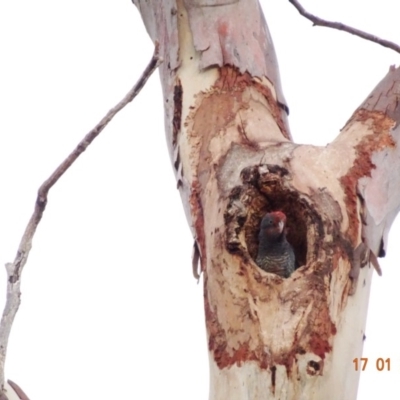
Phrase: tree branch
pixel 14 269
pixel 342 27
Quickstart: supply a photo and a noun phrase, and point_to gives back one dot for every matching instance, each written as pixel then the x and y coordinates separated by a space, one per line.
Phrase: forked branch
pixel 14 269
pixel 342 27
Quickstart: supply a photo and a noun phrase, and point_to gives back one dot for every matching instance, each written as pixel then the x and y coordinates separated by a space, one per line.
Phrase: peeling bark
pixel 234 159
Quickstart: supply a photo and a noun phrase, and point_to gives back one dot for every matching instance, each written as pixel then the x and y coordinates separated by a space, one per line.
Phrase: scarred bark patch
pixel 363 165
pixel 218 343
pixel 304 296
pixel 315 339
pixel 230 77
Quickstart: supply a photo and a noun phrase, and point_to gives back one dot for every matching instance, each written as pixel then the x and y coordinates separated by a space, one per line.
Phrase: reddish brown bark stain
pixel 286 359
pixel 275 109
pixel 198 220
pixel 231 78
pixel 378 140
pixel 319 345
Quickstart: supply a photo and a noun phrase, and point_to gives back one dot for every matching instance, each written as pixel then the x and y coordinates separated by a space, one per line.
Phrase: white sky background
pixel 110 309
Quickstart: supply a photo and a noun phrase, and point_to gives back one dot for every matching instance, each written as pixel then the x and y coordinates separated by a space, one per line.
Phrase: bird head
pixel 273 224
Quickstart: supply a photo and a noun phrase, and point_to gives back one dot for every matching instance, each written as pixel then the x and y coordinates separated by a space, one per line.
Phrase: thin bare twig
pixel 342 27
pixel 14 269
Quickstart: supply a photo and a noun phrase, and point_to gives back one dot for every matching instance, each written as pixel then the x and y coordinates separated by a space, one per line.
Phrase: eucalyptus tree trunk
pixel 234 160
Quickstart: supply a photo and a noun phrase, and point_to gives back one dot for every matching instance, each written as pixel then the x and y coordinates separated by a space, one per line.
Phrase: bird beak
pixel 281 224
